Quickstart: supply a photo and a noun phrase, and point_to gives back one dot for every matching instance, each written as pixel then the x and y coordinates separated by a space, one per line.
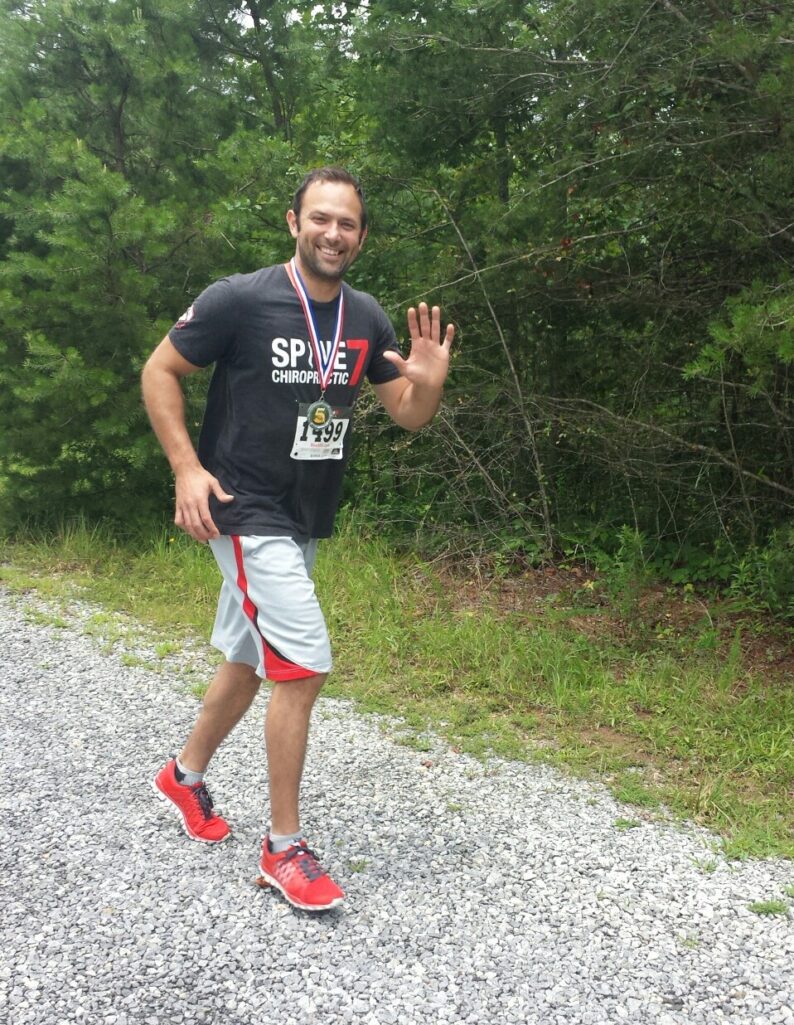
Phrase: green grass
pixel 686 727
pixel 625 824
pixel 769 907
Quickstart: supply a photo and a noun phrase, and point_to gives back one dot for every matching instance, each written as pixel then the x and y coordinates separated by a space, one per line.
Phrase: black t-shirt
pixel 253 328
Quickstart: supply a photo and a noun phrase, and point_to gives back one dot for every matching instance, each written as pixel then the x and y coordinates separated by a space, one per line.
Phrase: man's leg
pixel 286 735
pixel 290 865
pixel 228 698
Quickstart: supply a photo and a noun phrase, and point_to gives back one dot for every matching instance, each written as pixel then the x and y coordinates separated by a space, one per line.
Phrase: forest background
pixel 588 557
pixel 597 192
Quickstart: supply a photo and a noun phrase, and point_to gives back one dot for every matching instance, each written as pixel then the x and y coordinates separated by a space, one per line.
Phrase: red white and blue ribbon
pixel 324 352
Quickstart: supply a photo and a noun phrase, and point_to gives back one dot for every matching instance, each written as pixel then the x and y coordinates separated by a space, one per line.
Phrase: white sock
pixel 187 777
pixel 281 841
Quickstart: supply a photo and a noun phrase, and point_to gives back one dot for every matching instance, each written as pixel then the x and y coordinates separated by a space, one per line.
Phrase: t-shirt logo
pixel 293 361
pixel 186 317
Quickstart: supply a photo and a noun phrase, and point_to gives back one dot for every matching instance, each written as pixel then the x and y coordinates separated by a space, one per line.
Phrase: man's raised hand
pixel 428 361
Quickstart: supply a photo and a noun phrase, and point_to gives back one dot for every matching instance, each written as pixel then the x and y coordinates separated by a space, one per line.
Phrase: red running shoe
pixel 298 874
pixel 194 805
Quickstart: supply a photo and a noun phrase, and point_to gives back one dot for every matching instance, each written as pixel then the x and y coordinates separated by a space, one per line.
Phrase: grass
pixel 668 720
pixel 769 907
pixel 624 824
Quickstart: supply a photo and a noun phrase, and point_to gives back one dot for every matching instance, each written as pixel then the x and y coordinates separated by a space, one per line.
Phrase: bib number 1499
pixel 326 442
pixel 332 431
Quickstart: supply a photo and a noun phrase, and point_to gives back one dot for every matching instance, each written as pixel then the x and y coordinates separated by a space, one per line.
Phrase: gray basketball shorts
pixel 268 614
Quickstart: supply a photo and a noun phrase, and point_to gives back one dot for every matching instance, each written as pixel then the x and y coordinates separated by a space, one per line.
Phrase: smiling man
pixel 291 346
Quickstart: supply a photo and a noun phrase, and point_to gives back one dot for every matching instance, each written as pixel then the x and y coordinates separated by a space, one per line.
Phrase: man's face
pixel 329 235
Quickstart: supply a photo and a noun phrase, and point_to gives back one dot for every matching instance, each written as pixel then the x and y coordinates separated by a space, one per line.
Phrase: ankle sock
pixel 281 841
pixel 187 777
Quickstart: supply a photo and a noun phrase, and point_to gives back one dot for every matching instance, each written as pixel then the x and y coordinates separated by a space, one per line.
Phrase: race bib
pixel 326 442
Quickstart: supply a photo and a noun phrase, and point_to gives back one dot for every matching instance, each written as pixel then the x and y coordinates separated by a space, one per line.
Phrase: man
pixel 291 346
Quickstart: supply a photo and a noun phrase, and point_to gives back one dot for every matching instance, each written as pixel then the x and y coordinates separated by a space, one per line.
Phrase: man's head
pixel 329 174
pixel 328 223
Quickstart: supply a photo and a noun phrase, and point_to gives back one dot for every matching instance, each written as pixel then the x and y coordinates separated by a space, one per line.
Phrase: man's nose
pixel 332 232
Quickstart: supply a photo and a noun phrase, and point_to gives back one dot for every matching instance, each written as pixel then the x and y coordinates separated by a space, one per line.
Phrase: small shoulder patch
pixel 186 317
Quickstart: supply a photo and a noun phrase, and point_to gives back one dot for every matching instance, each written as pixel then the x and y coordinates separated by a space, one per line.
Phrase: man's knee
pixel 302 690
pixel 243 672
pixel 311 684
pixel 234 681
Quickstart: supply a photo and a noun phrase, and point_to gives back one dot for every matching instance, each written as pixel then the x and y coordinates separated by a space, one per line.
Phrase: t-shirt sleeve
pixel 380 370
pixel 206 329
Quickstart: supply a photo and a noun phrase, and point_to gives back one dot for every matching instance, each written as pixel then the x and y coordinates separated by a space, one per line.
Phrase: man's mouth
pixel 331 253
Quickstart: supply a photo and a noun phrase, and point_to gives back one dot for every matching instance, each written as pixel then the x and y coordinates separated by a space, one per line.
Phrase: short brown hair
pixel 329 174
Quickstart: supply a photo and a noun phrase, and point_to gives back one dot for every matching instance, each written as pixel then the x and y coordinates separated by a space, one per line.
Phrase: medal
pixel 320 413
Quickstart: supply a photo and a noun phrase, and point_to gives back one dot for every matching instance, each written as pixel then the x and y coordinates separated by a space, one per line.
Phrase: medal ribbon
pixel 323 360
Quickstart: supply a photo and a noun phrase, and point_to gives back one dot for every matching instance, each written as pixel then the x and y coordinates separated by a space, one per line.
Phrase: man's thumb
pixel 220 494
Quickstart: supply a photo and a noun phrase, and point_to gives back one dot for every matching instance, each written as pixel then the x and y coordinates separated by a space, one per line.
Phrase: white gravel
pixel 498 893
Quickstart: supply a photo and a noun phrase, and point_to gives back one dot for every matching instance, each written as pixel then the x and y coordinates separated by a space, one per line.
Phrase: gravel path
pixel 499 893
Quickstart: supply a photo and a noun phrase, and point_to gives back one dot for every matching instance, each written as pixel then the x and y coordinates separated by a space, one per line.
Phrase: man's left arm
pixel 412 399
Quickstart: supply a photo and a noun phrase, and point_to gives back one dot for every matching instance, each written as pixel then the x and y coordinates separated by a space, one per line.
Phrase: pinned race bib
pixel 320 440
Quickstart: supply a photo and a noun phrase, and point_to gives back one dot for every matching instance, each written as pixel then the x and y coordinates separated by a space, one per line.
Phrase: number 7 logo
pixel 360 346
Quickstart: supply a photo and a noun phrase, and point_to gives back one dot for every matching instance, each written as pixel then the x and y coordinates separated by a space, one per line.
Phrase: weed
pixel 39 618
pixel 624 824
pixel 358 864
pixel 416 743
pixel 134 660
pixel 631 790
pixel 769 907
pixel 624 575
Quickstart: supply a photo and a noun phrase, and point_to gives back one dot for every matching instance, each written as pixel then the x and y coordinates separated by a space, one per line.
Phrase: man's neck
pixel 320 290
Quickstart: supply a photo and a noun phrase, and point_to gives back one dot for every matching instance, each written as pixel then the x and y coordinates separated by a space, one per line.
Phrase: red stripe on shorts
pixel 276 666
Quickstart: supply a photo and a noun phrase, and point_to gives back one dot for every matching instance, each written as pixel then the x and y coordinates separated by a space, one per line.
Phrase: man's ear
pixel 363 237
pixel 292 221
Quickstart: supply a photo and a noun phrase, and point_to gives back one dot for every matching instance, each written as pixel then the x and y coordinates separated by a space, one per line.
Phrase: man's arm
pixel 412 399
pixel 165 404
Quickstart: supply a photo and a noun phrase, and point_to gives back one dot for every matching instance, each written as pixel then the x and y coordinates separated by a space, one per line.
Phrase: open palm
pixel 428 361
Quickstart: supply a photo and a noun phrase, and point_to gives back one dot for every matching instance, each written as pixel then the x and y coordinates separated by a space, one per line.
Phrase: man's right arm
pixel 161 383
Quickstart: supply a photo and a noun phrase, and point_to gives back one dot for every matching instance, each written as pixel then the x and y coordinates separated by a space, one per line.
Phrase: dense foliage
pixel 598 193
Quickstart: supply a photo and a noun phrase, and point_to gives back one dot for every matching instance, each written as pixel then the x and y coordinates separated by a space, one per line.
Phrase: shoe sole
pixel 265 881
pixel 178 811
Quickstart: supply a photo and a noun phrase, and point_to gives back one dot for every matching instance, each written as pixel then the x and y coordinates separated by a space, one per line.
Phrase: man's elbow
pixel 149 374
pixel 415 424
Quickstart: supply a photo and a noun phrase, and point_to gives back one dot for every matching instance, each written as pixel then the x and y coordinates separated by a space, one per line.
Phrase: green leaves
pixel 598 193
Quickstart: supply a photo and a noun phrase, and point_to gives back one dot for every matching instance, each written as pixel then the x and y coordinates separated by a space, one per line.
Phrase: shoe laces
pixel 202 795
pixel 306 860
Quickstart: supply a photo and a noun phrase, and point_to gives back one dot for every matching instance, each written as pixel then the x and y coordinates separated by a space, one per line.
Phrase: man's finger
pixel 435 324
pixel 220 494
pixel 198 522
pixel 208 525
pixel 424 319
pixel 395 358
